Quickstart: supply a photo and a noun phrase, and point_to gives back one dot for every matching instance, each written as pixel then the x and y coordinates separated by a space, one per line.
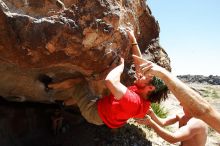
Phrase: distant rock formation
pixel 213 80
pixel 43 41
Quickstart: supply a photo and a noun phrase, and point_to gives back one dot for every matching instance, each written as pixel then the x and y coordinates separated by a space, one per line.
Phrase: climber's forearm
pixel 115 74
pixel 136 50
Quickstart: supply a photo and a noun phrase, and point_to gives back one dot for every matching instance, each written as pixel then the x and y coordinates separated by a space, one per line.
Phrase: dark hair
pixel 160 92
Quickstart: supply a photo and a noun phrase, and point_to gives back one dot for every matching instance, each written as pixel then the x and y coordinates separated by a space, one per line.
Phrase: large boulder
pixel 43 41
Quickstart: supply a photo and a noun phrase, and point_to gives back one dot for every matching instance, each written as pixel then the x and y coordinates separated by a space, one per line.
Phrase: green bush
pixel 159 110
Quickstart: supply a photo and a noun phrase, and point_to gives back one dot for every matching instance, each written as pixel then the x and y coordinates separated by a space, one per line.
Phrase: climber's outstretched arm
pixel 135 51
pixel 113 83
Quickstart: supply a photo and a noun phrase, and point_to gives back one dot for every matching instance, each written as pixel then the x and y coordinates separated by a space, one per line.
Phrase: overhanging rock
pixel 46 41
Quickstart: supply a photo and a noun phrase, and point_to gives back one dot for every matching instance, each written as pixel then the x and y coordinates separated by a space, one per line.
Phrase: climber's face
pixel 144 85
pixel 143 81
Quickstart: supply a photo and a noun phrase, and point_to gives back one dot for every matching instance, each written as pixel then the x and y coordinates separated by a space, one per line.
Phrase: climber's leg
pixel 87 104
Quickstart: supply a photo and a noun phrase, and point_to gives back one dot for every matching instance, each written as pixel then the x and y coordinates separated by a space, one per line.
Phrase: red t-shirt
pixel 114 113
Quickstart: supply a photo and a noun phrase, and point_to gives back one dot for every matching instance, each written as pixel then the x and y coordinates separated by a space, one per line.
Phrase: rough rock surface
pixel 46 41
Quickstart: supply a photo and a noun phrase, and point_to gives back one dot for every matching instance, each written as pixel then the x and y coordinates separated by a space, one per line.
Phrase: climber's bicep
pixel 117 89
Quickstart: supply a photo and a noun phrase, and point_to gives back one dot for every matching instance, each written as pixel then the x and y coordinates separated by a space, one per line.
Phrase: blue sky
pixel 190 34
